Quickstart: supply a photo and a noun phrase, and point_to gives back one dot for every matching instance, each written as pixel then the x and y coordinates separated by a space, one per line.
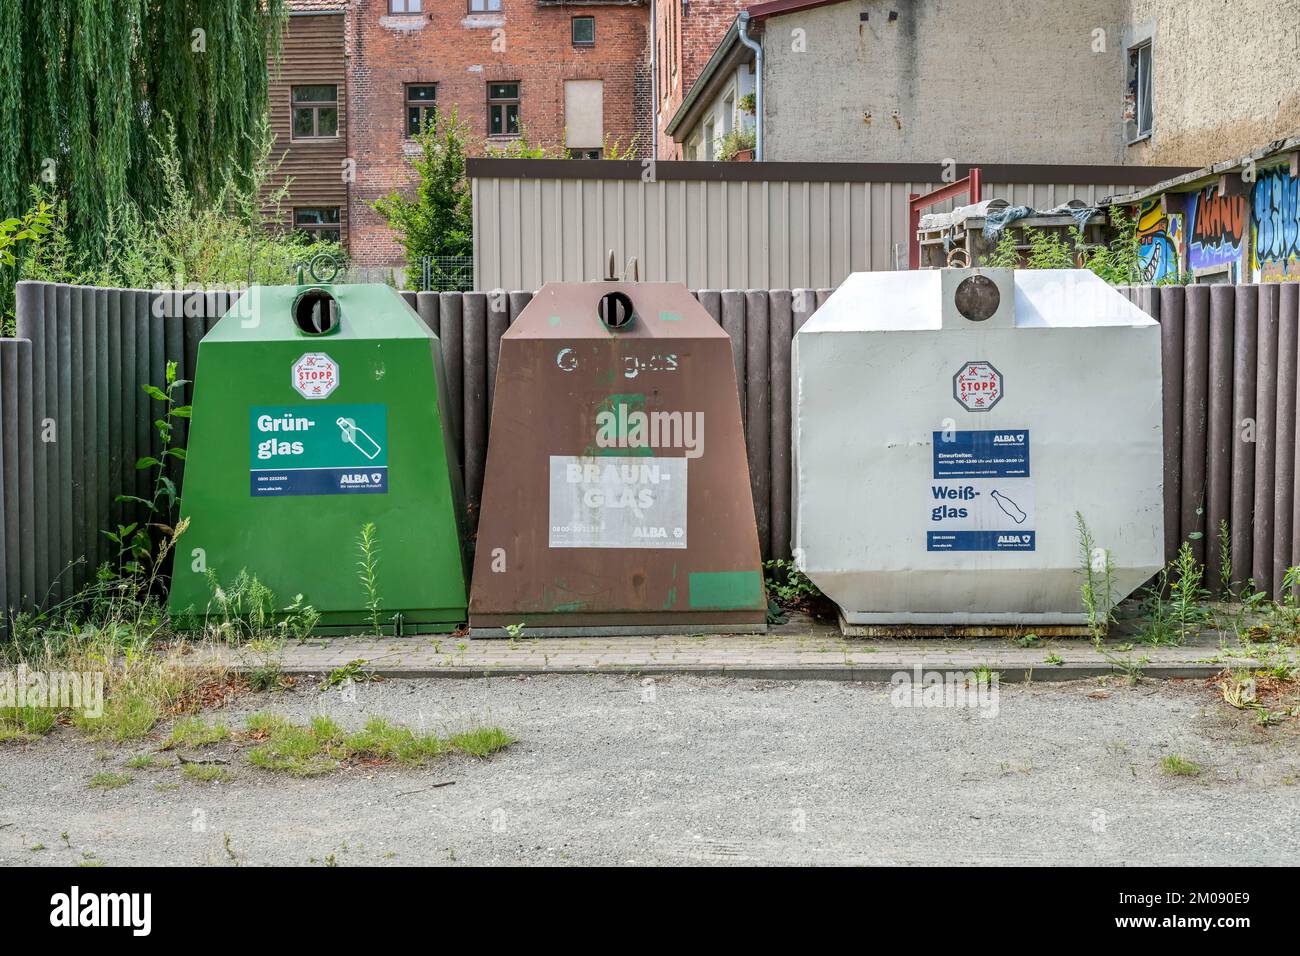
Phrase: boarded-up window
pixel 584 114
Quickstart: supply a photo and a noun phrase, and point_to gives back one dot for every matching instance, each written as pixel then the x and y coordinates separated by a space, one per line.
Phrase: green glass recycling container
pixel 320 464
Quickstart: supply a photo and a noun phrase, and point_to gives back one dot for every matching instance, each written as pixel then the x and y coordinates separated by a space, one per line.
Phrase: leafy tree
pixel 439 220
pixel 84 85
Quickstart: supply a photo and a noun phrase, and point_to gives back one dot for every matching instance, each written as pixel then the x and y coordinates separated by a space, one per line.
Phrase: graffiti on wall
pixel 1160 237
pixel 1216 228
pixel 1275 204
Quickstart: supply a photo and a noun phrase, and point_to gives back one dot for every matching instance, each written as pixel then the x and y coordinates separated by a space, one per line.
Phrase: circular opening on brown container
pixel 615 310
pixel 977 297
pixel 315 312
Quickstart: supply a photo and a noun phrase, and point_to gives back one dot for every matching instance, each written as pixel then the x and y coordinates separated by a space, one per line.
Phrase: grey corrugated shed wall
pixel 73 418
pixel 728 225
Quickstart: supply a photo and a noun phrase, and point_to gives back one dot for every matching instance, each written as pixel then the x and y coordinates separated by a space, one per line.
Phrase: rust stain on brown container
pixel 617 488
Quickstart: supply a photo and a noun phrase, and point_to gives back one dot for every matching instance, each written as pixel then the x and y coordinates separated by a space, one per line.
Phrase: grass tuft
pixel 109 780
pixel 196 732
pixel 1177 766
pixel 322 745
pixel 23 724
pixel 205 773
pixel 482 741
pixel 381 740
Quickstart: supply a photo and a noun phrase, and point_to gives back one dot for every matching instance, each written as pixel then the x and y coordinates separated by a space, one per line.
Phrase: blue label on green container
pixel 318 450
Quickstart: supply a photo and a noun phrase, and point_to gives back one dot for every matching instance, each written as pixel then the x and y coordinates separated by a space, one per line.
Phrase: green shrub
pixel 233 238
pixel 438 221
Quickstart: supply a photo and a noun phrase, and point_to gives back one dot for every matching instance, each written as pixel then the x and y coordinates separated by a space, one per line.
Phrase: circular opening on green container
pixel 315 312
pixel 615 310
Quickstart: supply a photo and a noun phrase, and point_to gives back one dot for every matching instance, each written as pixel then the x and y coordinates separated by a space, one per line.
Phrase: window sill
pixel 1145 137
pixel 403 21
pixel 308 140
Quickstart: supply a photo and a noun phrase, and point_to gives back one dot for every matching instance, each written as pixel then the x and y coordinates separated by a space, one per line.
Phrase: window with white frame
pixel 1139 72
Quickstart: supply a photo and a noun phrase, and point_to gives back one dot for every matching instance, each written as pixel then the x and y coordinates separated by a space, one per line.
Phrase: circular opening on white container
pixel 977 298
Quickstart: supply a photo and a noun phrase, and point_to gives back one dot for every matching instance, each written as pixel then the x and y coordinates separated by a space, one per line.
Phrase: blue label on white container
pixel 998 453
pixel 979 541
pixel 981 496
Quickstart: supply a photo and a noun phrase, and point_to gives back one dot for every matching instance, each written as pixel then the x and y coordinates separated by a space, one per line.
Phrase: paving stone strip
pixel 798 651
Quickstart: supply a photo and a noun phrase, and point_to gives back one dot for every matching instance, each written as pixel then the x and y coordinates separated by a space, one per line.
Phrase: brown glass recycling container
pixel 616 497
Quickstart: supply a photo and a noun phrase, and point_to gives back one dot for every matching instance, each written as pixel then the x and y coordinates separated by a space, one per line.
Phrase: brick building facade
pixel 686 34
pixel 571 74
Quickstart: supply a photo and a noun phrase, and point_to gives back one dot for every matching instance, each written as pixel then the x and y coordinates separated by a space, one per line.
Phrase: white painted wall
pixel 722 113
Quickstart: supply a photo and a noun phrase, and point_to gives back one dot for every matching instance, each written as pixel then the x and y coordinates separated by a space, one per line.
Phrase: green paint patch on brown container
pixel 725 590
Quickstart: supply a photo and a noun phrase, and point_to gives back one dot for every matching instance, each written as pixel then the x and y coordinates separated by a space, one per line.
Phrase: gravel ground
pixel 609 770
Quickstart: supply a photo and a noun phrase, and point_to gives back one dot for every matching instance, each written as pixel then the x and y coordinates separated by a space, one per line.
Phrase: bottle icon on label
pixel 1011 509
pixel 357 436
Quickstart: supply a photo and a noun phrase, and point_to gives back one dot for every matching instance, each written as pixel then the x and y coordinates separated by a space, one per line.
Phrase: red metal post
pixel 971 186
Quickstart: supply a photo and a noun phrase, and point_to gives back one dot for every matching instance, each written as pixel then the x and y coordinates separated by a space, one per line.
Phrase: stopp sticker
pixel 977 386
pixel 315 375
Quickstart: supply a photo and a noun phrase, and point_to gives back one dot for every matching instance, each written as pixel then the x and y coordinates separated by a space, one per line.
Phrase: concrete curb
pixel 876 673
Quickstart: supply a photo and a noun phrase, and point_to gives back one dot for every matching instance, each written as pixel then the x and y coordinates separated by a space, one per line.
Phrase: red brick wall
pixel 686 36
pixel 446 46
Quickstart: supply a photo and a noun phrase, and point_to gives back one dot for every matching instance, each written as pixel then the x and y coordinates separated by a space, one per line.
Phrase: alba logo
pixel 103 909
pixel 1013 438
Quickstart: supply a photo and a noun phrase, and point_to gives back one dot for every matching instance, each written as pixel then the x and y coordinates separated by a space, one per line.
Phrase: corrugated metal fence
pixel 737 225
pixel 73 418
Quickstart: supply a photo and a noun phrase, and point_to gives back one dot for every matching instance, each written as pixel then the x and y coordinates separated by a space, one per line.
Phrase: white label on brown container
pixel 618 501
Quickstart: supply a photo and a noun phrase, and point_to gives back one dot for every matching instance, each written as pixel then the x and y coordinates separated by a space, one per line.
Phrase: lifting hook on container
pixel 631 274
pixel 322 267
